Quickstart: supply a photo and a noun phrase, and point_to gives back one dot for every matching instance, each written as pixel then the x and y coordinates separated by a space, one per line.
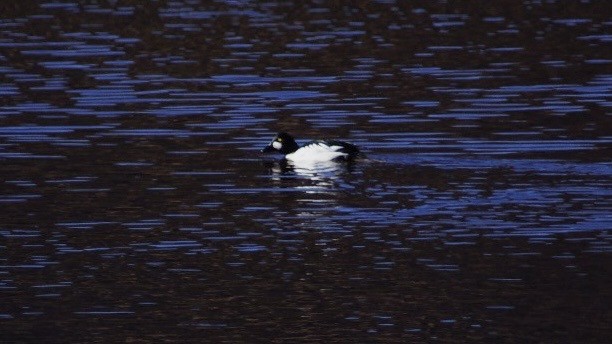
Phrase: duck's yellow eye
pixel 279 139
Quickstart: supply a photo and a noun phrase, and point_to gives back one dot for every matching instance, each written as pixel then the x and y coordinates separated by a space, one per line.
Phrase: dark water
pixel 136 205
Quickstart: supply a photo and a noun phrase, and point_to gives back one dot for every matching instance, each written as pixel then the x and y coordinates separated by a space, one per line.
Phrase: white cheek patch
pixel 277 145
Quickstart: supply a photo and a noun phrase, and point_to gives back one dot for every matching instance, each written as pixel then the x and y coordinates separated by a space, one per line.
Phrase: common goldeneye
pixel 315 151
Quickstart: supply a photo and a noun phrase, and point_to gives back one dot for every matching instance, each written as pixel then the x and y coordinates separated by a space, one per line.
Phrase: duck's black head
pixel 282 143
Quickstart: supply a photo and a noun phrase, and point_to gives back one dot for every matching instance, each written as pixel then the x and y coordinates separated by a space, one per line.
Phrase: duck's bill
pixel 268 149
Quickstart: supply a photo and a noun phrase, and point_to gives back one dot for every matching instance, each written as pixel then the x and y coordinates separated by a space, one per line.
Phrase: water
pixel 136 204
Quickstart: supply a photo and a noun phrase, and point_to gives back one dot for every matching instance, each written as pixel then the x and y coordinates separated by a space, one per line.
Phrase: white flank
pixel 316 152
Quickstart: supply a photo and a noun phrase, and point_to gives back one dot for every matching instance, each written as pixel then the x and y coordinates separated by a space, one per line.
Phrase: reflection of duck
pixel 313 153
pixel 308 168
pixel 325 175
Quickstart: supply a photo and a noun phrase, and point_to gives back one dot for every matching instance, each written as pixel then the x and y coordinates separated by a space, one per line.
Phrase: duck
pixel 312 152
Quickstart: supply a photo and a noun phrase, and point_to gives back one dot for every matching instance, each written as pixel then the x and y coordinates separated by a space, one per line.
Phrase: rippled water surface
pixel 136 205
